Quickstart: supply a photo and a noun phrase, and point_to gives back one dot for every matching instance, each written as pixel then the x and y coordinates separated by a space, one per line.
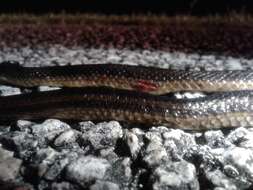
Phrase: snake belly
pixel 220 110
pixel 146 79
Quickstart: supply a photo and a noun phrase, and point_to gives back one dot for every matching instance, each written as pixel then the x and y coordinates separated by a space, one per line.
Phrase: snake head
pixel 7 68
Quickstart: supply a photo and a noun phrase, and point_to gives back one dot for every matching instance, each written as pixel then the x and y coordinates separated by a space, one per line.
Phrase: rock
pixel 175 176
pixel 43 159
pixel 49 129
pixel 204 157
pixel 54 171
pixel 113 59
pixel 67 138
pixel 4 128
pixel 215 139
pixel 47 155
pixel 155 153
pixel 233 64
pixel 103 135
pixel 241 137
pixel 62 186
pixel 120 172
pixel 47 88
pixel 9 169
pixel 24 126
pixel 177 143
pixel 85 126
pixel 5 154
pixel 104 185
pixel 220 180
pixel 109 154
pixel 134 140
pixel 165 144
pixel 24 144
pixel 233 169
pixel 9 166
pixel 7 90
pixel 86 169
pixel 241 162
pixel 10 185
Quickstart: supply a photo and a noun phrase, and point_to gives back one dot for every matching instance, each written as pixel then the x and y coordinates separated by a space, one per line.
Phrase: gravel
pixel 86 169
pixel 135 158
pixel 60 55
pixel 52 154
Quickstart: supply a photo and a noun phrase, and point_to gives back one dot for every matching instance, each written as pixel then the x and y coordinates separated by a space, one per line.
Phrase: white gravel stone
pixel 241 159
pixel 103 135
pixel 49 128
pixel 86 169
pixel 67 137
pixel 5 154
pixel 221 181
pixel 7 90
pixel 104 185
pixel 9 169
pixel 133 142
pixel 60 55
pixel 177 175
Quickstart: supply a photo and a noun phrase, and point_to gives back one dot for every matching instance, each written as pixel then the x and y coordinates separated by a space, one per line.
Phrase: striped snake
pixel 130 93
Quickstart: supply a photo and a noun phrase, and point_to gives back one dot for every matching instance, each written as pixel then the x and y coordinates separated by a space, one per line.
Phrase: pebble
pixel 241 137
pixel 242 160
pixel 134 141
pixel 121 171
pixel 220 180
pixel 9 169
pixel 4 154
pixel 23 125
pixel 215 139
pixel 86 169
pixel 24 144
pixel 66 138
pixel 9 166
pixel 155 153
pixel 103 135
pixel 49 129
pixel 85 126
pixel 177 142
pixel 176 175
pixel 104 185
pixel 7 90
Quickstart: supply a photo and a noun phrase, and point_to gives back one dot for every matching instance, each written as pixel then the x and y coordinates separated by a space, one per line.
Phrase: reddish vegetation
pixel 203 36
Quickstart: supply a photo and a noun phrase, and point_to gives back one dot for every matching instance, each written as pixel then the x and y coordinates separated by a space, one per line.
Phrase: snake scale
pixel 130 93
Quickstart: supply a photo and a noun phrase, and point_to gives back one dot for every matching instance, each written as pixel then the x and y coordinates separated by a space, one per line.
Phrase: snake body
pixel 132 95
pixel 149 79
pixel 228 109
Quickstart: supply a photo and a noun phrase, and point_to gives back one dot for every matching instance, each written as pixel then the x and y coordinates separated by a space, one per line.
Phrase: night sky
pixel 170 7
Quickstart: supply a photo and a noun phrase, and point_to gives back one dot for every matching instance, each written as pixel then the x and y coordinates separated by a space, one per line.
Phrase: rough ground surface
pixel 55 155
pixel 227 36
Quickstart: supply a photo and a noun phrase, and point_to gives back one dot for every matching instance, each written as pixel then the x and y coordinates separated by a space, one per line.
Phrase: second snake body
pixel 230 109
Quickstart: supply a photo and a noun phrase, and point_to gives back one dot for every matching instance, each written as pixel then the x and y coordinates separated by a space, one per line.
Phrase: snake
pixel 135 94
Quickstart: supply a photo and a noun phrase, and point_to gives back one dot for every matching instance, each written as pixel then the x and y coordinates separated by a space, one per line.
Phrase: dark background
pixel 170 7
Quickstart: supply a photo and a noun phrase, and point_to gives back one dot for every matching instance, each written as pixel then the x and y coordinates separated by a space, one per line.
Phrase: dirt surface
pixel 220 35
